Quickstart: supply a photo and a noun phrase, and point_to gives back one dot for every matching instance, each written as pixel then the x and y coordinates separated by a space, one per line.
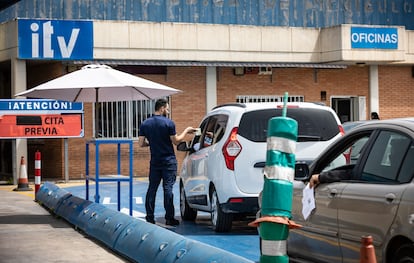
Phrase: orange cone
pixel 23 184
pixel 367 250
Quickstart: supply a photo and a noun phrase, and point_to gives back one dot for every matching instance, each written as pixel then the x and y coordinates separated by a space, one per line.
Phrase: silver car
pixel 375 197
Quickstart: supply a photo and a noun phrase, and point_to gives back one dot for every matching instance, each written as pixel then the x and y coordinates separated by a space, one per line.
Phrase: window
pixel 207 137
pixel 195 144
pixel 123 119
pixel 407 169
pixel 386 157
pixel 220 128
pixel 212 131
pixel 253 124
pixel 267 98
pixel 350 155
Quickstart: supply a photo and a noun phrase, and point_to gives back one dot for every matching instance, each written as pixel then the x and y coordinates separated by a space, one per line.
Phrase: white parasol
pixel 99 83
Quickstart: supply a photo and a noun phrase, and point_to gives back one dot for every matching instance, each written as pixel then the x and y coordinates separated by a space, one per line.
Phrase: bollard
pixel 367 250
pixel 277 194
pixel 37 171
pixel 23 184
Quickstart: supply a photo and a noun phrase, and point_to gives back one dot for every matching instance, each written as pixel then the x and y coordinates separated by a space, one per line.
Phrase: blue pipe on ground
pixel 135 239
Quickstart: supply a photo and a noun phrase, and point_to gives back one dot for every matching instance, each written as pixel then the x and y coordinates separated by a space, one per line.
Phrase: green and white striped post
pixel 277 191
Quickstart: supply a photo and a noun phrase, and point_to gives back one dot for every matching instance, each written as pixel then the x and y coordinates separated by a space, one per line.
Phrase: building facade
pixel 356 56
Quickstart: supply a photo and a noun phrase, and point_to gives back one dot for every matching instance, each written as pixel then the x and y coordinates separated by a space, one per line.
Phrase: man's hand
pixel 314 180
pixel 142 141
pixel 176 139
pixel 190 130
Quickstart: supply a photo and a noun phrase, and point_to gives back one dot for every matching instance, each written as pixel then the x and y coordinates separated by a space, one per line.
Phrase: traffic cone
pixel 23 184
pixel 367 250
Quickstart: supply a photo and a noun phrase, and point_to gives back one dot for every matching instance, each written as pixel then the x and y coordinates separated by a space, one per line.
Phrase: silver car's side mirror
pixel 183 147
pixel 301 171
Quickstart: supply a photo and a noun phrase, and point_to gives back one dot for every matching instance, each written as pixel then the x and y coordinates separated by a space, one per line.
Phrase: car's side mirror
pixel 183 147
pixel 301 171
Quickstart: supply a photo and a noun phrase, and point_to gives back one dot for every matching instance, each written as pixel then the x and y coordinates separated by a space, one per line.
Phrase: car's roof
pixel 271 105
pixel 403 122
pixel 352 124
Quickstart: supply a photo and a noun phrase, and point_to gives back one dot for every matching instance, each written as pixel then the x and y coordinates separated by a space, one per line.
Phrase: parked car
pixel 377 198
pixel 223 170
pixel 351 124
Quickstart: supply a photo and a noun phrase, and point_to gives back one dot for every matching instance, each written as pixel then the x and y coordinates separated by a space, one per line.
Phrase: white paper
pixel 308 201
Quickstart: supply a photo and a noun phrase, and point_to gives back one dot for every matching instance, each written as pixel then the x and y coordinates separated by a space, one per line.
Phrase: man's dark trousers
pixel 168 174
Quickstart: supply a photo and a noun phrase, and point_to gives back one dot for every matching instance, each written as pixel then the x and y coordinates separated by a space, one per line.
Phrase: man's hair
pixel 160 103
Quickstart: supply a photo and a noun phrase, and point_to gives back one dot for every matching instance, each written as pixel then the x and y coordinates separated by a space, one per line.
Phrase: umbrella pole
pixel 96 114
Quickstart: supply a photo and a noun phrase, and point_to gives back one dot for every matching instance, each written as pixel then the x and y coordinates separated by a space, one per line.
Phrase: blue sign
pixel 55 39
pixel 39 106
pixel 374 38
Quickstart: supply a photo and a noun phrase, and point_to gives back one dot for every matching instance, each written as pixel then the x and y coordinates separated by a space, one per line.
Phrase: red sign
pixel 38 126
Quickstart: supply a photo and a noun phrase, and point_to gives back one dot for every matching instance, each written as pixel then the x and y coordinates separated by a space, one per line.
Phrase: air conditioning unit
pixel 265 71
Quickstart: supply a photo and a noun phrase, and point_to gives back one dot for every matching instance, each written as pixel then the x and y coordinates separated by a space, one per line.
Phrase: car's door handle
pixel 333 192
pixel 390 197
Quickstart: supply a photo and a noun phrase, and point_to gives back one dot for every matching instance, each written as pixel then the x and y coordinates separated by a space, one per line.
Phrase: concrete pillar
pixel 18 84
pixel 211 88
pixel 373 89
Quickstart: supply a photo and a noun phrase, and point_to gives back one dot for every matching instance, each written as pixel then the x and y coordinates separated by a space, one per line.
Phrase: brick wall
pixel 188 107
pixel 396 89
pixel 296 81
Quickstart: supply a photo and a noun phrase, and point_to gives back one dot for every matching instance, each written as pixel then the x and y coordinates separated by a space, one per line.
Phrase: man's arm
pixel 330 177
pixel 142 142
pixel 176 139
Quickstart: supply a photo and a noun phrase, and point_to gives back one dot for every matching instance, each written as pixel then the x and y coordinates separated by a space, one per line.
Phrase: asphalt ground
pixel 29 233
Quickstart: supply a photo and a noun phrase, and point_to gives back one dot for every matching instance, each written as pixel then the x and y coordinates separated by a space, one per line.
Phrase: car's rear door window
pixel 386 159
pixel 313 124
pixel 407 169
pixel 212 130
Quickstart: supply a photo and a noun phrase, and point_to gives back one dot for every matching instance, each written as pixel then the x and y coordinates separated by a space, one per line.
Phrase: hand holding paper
pixel 308 201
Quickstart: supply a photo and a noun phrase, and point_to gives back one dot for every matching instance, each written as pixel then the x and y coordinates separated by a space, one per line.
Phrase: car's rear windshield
pixel 313 124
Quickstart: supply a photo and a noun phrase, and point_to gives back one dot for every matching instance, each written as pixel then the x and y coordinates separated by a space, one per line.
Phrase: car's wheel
pixel 187 213
pixel 405 254
pixel 221 221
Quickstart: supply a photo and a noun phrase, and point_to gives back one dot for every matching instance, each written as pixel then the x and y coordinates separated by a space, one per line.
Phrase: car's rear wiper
pixel 308 138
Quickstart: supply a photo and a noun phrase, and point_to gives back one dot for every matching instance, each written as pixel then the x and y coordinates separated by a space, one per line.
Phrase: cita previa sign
pixel 40 118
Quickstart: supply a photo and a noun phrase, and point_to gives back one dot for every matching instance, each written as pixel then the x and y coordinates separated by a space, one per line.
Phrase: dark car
pixel 376 198
pixel 349 125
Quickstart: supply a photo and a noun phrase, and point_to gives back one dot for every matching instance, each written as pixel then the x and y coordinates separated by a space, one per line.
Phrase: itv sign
pixel 374 38
pixel 55 39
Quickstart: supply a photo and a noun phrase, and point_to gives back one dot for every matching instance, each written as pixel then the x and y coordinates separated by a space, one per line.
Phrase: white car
pixel 223 170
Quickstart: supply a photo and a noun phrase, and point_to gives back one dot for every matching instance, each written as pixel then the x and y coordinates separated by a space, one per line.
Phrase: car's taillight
pixel 236 200
pixel 341 130
pixel 231 149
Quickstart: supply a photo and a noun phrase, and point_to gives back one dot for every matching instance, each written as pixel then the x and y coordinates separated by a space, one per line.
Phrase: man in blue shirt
pixel 158 132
